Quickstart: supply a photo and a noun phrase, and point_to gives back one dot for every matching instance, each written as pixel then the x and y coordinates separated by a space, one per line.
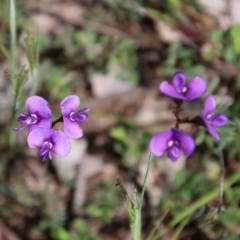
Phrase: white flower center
pixel 182 90
pixel 71 116
pixel 33 118
pixel 172 142
pixel 49 144
pixel 209 116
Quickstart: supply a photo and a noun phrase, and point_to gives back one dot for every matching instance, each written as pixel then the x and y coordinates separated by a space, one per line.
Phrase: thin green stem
pixel 138 222
pixel 35 68
pixel 34 87
pixel 13 31
pixel 180 228
pixel 202 201
pixel 13 64
pixel 150 237
pixel 145 181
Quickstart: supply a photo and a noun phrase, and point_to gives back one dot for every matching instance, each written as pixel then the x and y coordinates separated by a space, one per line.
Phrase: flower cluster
pixel 42 135
pixel 173 141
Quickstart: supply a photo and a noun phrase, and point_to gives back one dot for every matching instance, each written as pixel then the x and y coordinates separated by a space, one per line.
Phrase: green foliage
pixel 80 231
pixel 102 202
pixel 235 35
pixel 130 143
pixel 31 43
pixel 132 207
pixel 23 195
pixel 229 217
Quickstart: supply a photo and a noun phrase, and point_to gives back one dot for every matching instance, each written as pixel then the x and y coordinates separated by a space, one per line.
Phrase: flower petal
pixel 159 143
pixel 174 153
pixel 209 106
pixel 219 120
pixel 61 145
pixel 72 129
pixel 213 132
pixel 36 104
pixel 69 104
pixel 38 136
pixel 195 88
pixel 42 123
pixel 186 141
pixel 171 91
pixel 179 79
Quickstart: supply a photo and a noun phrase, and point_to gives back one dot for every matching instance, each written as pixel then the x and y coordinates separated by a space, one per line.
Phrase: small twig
pixel 125 194
pixel 177 112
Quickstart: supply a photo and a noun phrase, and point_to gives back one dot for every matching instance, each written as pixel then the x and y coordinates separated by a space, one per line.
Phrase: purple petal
pixel 159 143
pixel 196 88
pixel 84 110
pixel 38 136
pixel 174 153
pixel 209 106
pixel 171 91
pixel 72 129
pixel 61 145
pixel 42 123
pixel 80 118
pixel 36 104
pixel 179 79
pixel 186 142
pixel 44 152
pixel 213 132
pixel 19 128
pixel 69 104
pixel 219 120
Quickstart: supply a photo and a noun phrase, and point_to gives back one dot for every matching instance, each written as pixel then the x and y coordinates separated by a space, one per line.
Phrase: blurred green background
pixel 114 54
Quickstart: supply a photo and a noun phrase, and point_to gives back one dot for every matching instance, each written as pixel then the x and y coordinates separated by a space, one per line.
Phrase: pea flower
pixel 182 90
pixel 172 141
pixel 38 115
pixel 49 141
pixel 211 119
pixel 72 117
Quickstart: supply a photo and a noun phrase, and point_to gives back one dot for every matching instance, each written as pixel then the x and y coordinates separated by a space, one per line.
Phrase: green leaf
pixel 60 234
pixel 120 134
pixel 230 216
pixel 216 35
pixel 235 35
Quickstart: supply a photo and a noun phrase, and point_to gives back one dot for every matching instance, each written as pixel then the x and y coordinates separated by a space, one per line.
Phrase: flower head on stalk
pixel 211 119
pixel 172 141
pixel 38 114
pixel 49 141
pixel 72 117
pixel 179 89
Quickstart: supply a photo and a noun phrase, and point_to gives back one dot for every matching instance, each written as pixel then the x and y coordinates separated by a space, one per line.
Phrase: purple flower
pixel 72 117
pixel 172 141
pixel 212 120
pixel 38 115
pixel 49 141
pixel 182 90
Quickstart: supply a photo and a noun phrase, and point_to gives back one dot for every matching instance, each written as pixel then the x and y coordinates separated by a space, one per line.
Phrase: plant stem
pixel 13 60
pixel 138 222
pixel 150 237
pixel 13 64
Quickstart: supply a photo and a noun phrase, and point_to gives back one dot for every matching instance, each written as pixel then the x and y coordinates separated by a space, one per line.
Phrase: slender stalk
pixel 35 69
pixel 138 222
pixel 13 66
pixel 13 59
pixel 202 201
pixel 221 181
pixel 150 237
pixel 180 228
